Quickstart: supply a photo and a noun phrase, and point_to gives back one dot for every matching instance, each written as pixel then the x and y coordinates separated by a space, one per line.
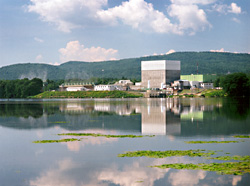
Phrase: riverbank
pixel 88 94
pixel 201 93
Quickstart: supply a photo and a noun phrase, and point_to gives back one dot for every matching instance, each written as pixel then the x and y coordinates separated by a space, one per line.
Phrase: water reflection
pixel 184 117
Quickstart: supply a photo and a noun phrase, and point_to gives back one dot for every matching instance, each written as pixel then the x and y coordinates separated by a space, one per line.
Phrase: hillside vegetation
pixel 209 63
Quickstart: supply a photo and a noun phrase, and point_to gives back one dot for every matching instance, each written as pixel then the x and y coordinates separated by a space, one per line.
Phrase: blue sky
pixel 56 31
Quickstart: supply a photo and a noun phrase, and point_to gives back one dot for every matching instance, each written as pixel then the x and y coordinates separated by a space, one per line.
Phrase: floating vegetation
pixel 57 141
pixel 235 168
pixel 139 181
pixel 228 158
pixel 241 136
pixel 195 142
pixel 104 135
pixel 163 154
pixel 58 122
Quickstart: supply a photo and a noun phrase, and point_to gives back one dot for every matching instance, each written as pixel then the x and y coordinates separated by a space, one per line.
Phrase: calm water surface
pixel 94 161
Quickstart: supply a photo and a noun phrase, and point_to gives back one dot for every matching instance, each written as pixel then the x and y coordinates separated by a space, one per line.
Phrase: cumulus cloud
pixel 225 9
pixel 170 51
pixel 140 15
pixel 74 51
pixel 67 14
pixel 220 50
pixel 191 18
pixel 235 9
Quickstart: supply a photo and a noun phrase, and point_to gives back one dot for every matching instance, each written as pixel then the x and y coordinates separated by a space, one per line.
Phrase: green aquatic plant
pixel 228 158
pixel 197 142
pixel 235 168
pixel 58 122
pixel 104 135
pixel 57 141
pixel 168 153
pixel 241 136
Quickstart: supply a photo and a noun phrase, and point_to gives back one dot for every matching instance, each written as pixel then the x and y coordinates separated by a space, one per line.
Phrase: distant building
pixel 107 87
pixel 76 87
pixel 207 85
pixel 181 84
pixel 157 74
pixel 125 84
pixel 206 78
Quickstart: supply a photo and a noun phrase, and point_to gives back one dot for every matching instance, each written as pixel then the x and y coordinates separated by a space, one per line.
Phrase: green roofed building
pixel 205 78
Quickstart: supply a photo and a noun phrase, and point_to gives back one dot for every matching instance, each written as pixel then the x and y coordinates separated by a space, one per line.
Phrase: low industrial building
pixel 206 78
pixel 158 74
pixel 107 87
pixel 76 86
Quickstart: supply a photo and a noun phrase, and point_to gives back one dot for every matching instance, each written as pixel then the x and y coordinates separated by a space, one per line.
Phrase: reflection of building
pixel 157 117
pixel 157 74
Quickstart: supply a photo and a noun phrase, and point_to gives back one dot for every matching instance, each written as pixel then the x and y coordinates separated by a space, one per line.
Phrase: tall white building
pixel 157 74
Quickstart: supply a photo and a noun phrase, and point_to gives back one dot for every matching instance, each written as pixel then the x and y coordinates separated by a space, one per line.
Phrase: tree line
pixel 235 85
pixel 20 88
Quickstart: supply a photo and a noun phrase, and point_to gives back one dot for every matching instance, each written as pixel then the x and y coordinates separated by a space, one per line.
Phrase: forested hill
pixel 209 63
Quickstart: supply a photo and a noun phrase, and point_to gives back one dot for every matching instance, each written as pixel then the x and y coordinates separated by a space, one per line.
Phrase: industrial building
pixel 158 74
pixel 78 86
pixel 205 78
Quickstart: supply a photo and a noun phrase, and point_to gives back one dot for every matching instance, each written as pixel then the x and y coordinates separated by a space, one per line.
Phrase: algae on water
pixel 168 153
pixel 197 142
pixel 57 141
pixel 235 168
pixel 241 136
pixel 104 135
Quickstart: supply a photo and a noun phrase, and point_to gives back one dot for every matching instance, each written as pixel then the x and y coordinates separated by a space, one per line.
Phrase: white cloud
pixel 188 2
pixel 74 51
pixel 140 15
pixel 38 40
pixel 181 17
pixel 66 14
pixel 170 51
pixel 220 50
pixel 225 9
pixel 236 20
pixel 235 9
pixel 191 18
pixel 39 58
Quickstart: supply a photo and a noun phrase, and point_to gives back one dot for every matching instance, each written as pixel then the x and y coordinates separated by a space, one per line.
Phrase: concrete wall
pixel 159 72
pixel 154 77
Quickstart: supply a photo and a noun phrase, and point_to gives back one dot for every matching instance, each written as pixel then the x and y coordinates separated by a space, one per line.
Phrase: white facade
pixel 107 87
pixel 207 85
pixel 75 89
pixel 161 65
pixel 195 84
pixel 124 82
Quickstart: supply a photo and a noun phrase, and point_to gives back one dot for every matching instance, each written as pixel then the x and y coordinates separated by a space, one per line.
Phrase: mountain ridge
pixel 209 63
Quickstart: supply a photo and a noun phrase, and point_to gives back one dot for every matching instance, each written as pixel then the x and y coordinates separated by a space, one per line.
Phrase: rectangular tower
pixel 155 74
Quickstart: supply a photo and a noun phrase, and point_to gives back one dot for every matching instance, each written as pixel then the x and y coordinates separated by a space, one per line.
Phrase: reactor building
pixel 159 73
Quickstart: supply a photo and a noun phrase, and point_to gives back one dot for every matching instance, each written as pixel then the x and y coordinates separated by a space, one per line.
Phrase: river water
pixel 94 160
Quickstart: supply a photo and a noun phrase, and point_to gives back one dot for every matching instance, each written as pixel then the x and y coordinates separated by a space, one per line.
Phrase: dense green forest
pixel 209 63
pixel 20 88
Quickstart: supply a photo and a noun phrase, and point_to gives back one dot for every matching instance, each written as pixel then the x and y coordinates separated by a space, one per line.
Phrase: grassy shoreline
pixel 89 94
